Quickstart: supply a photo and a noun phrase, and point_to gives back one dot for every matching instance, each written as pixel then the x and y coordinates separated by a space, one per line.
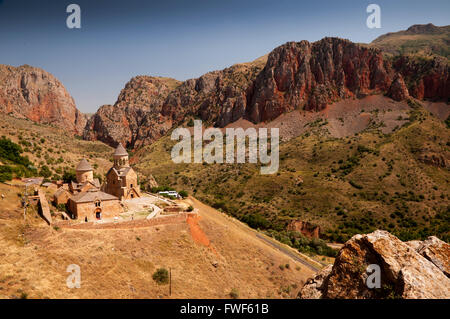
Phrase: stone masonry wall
pixel 141 223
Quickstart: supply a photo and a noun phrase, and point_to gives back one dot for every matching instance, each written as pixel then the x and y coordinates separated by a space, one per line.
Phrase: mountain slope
pixel 360 146
pixel 32 93
pixel 358 165
pixel 423 39
pixel 51 150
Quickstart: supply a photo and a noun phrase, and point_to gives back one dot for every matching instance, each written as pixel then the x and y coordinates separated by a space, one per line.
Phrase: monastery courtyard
pixel 146 206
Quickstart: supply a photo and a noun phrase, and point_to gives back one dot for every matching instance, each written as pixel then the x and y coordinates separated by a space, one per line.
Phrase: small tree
pixel 45 171
pixel 61 207
pixel 5 173
pixel 234 293
pixel 69 175
pixel 161 276
pixel 183 194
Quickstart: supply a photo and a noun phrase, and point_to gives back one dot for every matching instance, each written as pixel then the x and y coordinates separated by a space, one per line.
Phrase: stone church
pixel 121 179
pixel 88 200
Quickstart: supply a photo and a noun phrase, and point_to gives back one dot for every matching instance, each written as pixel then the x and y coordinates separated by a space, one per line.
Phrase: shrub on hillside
pixel 45 171
pixel 69 176
pixel 5 173
pixel 62 207
pixel 234 293
pixel 256 221
pixel 161 276
pixel 16 165
pixel 183 194
pixel 303 243
pixel 11 151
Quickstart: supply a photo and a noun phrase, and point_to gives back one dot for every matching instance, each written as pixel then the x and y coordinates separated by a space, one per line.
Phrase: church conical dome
pixel 120 151
pixel 84 166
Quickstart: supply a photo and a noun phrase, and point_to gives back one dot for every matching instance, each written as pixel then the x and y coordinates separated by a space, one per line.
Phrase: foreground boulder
pixel 436 251
pixel 412 271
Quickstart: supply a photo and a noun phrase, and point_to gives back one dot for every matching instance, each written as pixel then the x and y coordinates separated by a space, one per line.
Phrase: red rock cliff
pixel 296 75
pixel 29 92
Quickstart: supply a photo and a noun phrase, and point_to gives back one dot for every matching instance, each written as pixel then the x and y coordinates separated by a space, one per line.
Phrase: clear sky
pixel 180 38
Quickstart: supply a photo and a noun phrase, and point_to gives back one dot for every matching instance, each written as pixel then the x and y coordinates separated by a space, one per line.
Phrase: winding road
pixel 288 252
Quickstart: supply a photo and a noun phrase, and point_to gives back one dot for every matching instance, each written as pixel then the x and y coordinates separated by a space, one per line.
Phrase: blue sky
pixel 179 39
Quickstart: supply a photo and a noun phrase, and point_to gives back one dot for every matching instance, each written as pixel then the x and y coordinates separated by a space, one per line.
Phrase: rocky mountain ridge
pixel 135 115
pixel 296 75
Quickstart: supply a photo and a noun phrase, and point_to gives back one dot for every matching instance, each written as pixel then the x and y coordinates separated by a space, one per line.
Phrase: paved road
pixel 288 252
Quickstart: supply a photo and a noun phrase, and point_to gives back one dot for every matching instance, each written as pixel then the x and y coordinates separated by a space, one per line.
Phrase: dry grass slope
pixel 120 263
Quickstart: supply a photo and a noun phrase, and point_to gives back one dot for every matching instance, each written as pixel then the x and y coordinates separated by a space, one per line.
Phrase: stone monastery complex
pixel 87 200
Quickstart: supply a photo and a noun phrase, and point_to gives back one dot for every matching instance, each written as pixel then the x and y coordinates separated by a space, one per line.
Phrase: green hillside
pixel 13 163
pixel 350 185
pixel 418 39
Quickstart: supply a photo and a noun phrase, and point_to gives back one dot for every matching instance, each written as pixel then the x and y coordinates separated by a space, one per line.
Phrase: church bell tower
pixel 120 157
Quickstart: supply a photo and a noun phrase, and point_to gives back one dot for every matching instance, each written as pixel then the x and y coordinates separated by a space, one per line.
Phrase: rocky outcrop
pixel 305 228
pixel 312 75
pixel 313 288
pixel 398 90
pixel 32 93
pixel 426 77
pixel 436 251
pixel 296 75
pixel 148 107
pixel 434 158
pixel 136 116
pixel 146 93
pixel 218 97
pixel 405 272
